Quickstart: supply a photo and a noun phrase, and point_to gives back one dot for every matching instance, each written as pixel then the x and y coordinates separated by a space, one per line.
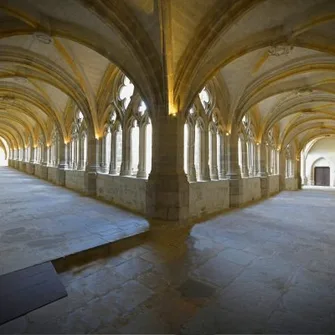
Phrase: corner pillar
pixel 263 170
pixel 233 171
pixel 62 166
pixel 93 164
pixel 167 187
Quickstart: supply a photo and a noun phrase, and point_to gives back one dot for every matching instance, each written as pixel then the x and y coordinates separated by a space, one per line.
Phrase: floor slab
pixel 41 222
pixel 264 269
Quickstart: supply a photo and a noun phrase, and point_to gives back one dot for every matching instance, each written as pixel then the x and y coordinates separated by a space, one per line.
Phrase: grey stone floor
pixel 267 268
pixel 40 221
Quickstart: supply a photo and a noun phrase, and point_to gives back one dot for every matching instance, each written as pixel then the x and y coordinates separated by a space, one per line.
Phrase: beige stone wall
pixel 208 197
pixel 124 191
pixel 52 174
pixel 251 189
pixel 30 168
pixel 75 180
pixel 291 184
pixel 273 184
pixel 38 171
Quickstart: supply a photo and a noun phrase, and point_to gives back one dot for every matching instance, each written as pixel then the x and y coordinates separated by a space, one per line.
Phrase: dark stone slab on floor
pixel 28 289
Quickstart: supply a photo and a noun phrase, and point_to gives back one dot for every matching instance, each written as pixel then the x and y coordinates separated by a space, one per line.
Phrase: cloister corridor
pixel 264 268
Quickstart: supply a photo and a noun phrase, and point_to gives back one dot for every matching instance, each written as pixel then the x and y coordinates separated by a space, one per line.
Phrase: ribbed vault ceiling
pixel 274 59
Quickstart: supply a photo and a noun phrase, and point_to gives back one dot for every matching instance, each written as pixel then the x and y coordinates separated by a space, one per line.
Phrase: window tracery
pixel 203 141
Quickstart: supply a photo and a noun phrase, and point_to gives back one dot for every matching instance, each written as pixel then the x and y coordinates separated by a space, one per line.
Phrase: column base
pixel 167 197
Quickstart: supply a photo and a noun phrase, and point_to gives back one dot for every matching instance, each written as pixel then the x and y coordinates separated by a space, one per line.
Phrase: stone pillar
pixel 167 186
pixel 32 154
pixel 80 165
pixel 233 170
pixel 68 154
pixel 245 171
pixel 93 164
pixel 141 173
pixel 44 162
pixel 103 155
pixel 214 156
pixel 192 175
pixel 304 180
pixel 263 174
pixel 44 153
pixel 297 174
pixel 269 162
pixel 282 171
pixel 222 158
pixel 61 155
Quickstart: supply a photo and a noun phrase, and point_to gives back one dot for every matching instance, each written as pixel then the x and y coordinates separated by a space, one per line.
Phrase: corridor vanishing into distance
pixel 172 162
pixel 265 268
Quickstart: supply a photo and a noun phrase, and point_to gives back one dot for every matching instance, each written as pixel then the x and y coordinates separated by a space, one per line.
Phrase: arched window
pixel 197 150
pixel 77 150
pixel 126 92
pixel 134 147
pixel 205 98
pixel 220 154
pixel 186 147
pixel 148 149
pixel 240 157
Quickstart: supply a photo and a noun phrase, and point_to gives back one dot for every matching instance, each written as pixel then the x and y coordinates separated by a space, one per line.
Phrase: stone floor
pixel 44 222
pixel 267 268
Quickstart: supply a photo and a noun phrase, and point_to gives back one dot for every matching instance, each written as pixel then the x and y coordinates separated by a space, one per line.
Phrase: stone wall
pixel 208 197
pixel 123 191
pixel 273 184
pixel 251 189
pixel 41 171
pixel 291 184
pixel 52 174
pixel 75 180
pixel 30 168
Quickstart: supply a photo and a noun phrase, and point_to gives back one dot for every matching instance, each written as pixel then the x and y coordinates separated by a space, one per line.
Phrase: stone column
pixel 222 171
pixel 214 155
pixel 32 154
pixel 61 154
pixel 263 171
pixel 80 165
pixel 167 186
pixel 44 153
pixel 269 161
pixel 141 173
pixel 44 161
pixel 192 175
pixel 93 164
pixel 282 171
pixel 303 169
pixel 297 174
pixel 233 170
pixel 245 171
pixel 103 155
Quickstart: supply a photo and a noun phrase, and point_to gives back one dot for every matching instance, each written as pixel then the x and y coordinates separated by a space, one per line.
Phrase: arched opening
pixel 3 158
pixel 148 148
pixel 134 148
pixel 197 150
